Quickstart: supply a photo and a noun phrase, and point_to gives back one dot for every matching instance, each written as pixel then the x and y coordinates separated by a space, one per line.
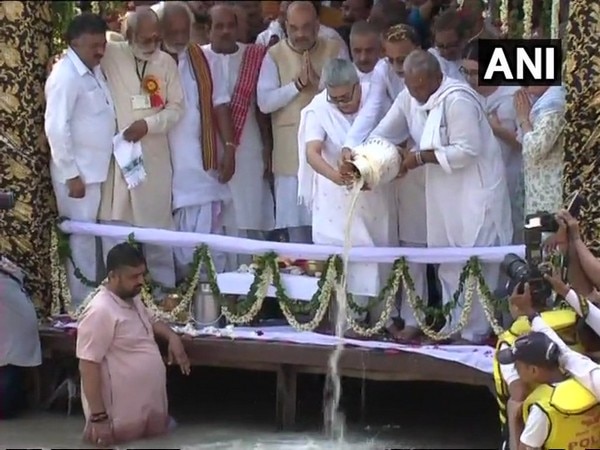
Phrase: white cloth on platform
pixel 467 201
pixel 251 194
pixel 323 122
pixel 80 125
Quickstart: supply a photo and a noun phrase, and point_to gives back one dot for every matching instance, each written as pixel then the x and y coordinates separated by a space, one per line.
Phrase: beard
pixel 143 54
pixel 174 49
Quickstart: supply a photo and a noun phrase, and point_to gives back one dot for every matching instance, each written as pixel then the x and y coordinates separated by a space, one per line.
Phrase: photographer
pixel 582 368
pixel 560 412
pixel 510 391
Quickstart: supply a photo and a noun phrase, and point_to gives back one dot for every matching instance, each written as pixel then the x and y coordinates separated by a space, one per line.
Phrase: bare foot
pixel 408 334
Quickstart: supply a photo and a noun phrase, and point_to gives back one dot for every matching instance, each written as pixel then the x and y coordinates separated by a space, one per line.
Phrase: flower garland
pixel 504 17
pixel 555 19
pixel 389 295
pixel 527 18
pixel 320 299
pixel 268 273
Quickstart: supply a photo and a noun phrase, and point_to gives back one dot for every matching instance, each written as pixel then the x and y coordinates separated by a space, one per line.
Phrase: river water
pixel 234 410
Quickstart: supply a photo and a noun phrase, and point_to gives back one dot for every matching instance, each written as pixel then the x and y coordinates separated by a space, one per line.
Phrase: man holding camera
pixel 560 412
pixel 582 266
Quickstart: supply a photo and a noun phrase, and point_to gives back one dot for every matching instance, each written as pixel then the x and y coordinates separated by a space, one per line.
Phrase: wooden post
pixel 285 412
pixel 582 133
pixel 26 34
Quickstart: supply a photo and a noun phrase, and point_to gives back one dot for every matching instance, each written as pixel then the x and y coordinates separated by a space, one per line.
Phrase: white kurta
pixel 198 197
pixel 501 102
pixel 271 96
pixel 80 123
pixel 467 202
pixel 449 68
pixel 330 203
pixel 251 194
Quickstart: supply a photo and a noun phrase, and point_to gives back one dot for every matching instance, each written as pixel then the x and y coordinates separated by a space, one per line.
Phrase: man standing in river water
pixel 123 377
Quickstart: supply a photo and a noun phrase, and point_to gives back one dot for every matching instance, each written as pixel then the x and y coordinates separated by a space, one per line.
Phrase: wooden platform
pixel 288 360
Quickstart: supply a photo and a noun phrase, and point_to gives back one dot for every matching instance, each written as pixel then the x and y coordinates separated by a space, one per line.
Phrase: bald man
pixel 288 81
pixel 145 117
pixel 276 30
pixel 252 212
pixel 466 197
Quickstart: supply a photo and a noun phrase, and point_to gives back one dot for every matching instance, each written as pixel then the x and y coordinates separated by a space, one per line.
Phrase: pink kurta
pixel 118 335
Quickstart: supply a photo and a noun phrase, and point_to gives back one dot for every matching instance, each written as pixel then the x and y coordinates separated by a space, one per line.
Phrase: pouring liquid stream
pixel 333 417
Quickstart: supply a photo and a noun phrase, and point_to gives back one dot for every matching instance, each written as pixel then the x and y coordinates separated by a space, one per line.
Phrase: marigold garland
pixel 527 19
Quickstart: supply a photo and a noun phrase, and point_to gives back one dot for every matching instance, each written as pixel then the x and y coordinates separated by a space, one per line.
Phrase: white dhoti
pixel 477 327
pixel 206 219
pixel 288 213
pixel 83 247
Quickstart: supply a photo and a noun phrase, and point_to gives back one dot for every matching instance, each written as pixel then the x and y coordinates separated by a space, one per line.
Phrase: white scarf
pixel 129 158
pixel 428 117
pixel 336 124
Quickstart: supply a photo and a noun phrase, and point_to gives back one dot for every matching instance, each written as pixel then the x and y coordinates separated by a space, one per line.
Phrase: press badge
pixel 140 102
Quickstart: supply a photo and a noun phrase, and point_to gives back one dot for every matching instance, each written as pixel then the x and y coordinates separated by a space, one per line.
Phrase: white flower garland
pixel 504 18
pixel 555 21
pixel 489 312
pixel 58 279
pixel 325 295
pixel 390 301
pixel 527 18
pixel 264 282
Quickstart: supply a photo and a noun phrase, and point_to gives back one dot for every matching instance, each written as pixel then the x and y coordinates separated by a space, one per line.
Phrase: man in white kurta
pixel 467 202
pixel 80 125
pixel 127 66
pixel 200 200
pixel 324 125
pixel 253 209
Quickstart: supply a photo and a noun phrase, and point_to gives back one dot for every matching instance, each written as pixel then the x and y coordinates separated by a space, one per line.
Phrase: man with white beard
pixel 201 170
pixel 240 63
pixel 323 186
pixel 288 81
pixel 467 203
pixel 148 100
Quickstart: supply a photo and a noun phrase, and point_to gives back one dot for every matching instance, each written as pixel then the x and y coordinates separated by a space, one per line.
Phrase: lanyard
pixel 137 69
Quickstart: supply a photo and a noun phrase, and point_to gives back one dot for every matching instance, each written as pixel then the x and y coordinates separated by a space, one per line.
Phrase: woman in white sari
pixel 498 102
pixel 322 185
pixel 541 116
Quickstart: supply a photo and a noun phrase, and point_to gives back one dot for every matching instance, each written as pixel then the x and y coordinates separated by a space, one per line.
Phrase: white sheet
pixel 479 357
pixel 303 251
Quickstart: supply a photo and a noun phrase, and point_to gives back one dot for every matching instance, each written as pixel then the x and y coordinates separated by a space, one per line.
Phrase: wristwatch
pixel 532 316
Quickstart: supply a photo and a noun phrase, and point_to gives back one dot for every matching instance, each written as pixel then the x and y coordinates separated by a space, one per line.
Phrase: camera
pixel 533 268
pixel 7 200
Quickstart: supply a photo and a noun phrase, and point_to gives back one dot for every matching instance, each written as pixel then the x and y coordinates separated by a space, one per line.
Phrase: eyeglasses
pixel 342 99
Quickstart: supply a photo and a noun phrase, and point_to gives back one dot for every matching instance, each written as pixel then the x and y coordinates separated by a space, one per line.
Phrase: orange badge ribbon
pixel 151 86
